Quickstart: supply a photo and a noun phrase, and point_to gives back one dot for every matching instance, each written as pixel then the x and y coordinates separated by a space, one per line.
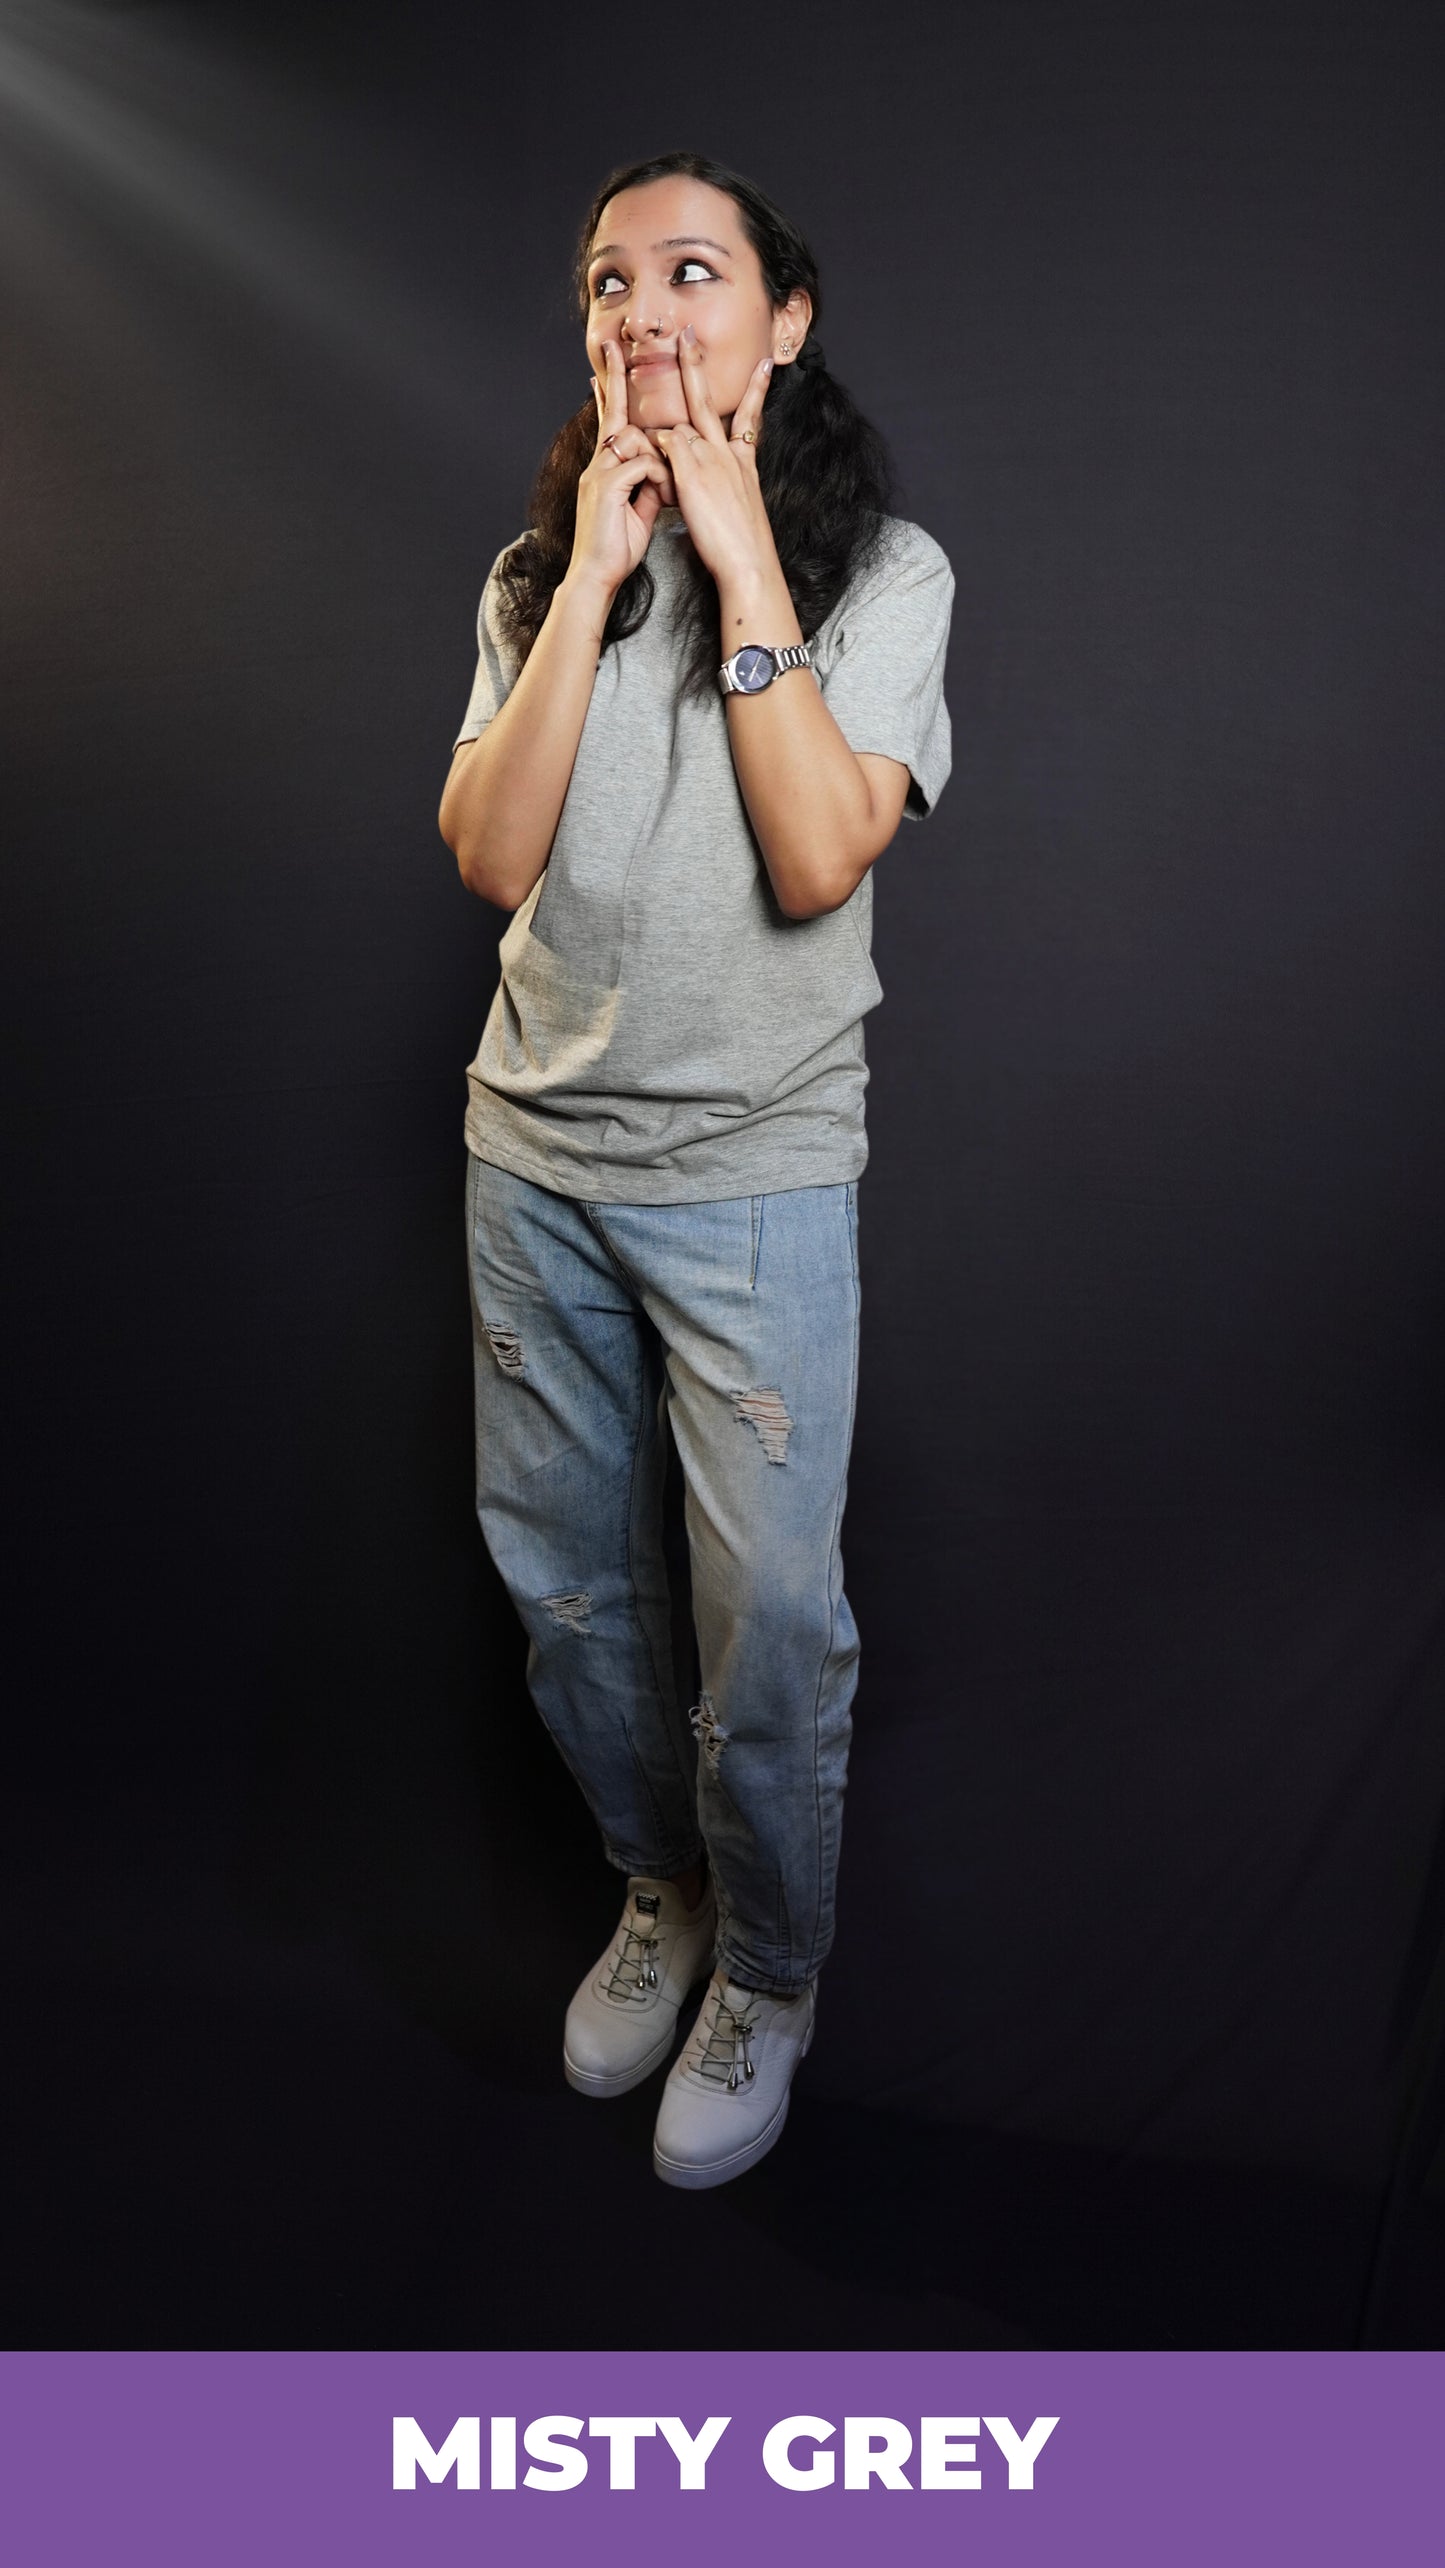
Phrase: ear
pixel 791 322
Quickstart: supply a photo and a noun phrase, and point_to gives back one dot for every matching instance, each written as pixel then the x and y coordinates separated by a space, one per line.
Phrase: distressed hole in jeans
pixel 570 1609
pixel 506 1347
pixel 764 1411
pixel 708 1730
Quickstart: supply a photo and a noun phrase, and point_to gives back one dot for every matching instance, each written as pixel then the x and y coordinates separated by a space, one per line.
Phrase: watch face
pixel 753 668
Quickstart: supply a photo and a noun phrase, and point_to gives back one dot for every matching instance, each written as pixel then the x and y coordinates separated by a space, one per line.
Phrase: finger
pixel 633 470
pixel 749 411
pixel 645 504
pixel 679 447
pixel 614 409
pixel 694 384
pixel 631 450
pixel 631 440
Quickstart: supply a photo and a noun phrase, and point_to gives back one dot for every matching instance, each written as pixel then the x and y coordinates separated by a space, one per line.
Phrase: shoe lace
pixel 634 1970
pixel 726 2042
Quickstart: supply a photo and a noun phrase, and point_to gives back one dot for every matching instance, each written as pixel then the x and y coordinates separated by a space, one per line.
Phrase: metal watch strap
pixel 786 655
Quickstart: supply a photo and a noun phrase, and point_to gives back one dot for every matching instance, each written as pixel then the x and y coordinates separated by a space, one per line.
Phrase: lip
pixel 652 365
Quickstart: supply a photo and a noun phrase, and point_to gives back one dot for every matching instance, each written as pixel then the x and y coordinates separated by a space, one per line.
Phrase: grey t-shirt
pixel 662 1033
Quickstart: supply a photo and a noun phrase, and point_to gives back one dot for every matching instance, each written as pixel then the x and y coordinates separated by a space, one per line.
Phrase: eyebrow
pixel 678 241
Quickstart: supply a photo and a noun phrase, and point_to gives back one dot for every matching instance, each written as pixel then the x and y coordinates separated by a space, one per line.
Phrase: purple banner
pixel 225 2460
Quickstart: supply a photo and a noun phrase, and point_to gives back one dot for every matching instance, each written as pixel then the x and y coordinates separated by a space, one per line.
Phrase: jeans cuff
pixel 662 1868
pixel 767 1984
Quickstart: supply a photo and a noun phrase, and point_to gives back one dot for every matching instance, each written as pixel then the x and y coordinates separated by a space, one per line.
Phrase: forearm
pixel 807 797
pixel 504 795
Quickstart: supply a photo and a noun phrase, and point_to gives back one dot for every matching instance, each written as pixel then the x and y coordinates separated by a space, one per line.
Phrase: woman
pixel 709 686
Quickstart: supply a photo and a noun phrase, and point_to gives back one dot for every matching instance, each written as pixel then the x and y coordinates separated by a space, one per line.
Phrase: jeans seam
pixel 590 1214
pixel 473 1214
pixel 658 1830
pixel 832 1621
pixel 663 1697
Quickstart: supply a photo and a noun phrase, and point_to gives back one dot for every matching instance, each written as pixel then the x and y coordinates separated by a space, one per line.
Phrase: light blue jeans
pixel 737 1322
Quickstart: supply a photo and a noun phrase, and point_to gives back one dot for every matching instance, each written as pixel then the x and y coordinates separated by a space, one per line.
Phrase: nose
pixel 637 327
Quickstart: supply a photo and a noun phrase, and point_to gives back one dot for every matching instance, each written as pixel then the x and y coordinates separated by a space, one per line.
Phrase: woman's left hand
pixel 715 474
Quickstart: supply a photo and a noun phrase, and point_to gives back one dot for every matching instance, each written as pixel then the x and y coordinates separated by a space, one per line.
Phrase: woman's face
pixel 671 253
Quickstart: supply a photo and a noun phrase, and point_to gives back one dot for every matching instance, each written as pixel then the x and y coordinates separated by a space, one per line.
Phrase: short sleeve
pixel 882 678
pixel 497 663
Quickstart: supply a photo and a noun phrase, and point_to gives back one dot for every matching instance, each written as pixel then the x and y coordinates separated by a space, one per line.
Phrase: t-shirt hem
pixel 753 1171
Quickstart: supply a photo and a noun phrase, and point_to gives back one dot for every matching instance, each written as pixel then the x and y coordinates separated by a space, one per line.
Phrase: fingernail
pixel 690 335
pixel 767 365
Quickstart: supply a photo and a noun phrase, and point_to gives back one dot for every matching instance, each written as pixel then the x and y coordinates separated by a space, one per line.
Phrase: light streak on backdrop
pixel 145 132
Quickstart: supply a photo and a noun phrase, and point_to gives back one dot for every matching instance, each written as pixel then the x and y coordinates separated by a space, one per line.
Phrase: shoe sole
pixel 694 2179
pixel 603 2083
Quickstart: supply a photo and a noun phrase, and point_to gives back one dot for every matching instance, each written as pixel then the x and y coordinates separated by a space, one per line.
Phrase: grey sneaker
pixel 621 2023
pixel 726 2097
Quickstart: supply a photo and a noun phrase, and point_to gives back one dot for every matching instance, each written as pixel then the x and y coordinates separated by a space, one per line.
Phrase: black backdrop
pixel 1132 2032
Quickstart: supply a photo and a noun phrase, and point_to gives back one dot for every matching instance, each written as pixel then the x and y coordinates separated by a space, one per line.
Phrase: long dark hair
pixel 824 470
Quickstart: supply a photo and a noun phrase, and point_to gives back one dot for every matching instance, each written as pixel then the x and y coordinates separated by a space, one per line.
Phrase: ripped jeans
pixel 599 1327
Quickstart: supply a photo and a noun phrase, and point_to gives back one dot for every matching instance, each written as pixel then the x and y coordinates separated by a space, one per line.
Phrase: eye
pixel 608 275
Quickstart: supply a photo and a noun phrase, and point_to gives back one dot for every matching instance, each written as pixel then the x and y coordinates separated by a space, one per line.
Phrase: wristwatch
pixel 757 664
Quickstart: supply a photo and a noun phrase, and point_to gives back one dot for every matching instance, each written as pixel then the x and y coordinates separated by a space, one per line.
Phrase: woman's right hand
pixel 621 490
